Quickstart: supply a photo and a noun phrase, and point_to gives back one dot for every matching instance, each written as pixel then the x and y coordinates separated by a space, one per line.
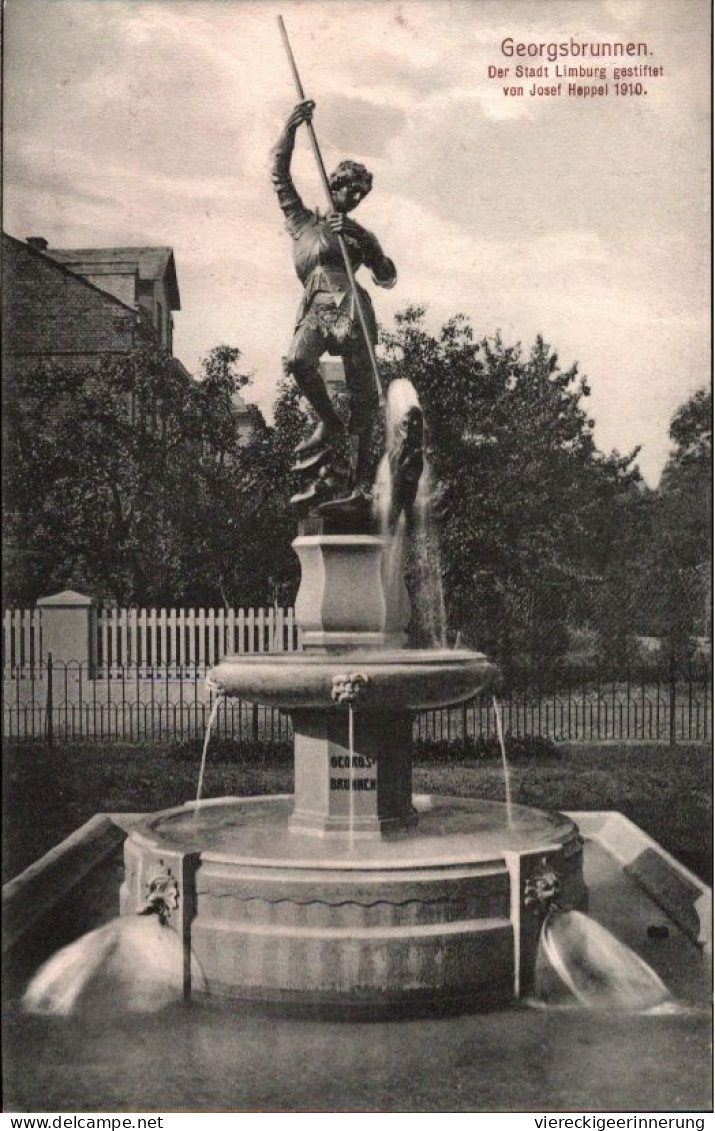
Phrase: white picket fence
pixel 180 639
pixel 22 640
pixel 172 641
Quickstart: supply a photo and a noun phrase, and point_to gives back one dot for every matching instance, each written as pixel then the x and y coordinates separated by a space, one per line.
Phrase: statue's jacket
pixel 317 256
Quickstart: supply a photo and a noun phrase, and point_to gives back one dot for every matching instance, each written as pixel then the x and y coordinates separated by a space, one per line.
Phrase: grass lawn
pixel 49 792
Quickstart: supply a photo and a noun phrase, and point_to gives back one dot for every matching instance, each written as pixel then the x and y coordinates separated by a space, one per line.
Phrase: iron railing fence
pixel 668 703
pixel 658 699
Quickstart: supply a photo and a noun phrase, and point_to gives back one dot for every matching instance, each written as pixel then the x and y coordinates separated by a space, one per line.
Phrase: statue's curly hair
pixel 351 172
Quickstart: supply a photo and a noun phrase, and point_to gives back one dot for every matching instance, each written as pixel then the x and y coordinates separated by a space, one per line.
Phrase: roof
pixel 54 264
pixel 150 262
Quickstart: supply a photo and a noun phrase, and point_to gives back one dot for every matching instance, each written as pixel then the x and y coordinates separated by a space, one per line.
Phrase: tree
pixel 118 479
pixel 676 557
pixel 526 494
pixel 619 612
pixel 686 485
pixel 89 459
pixel 238 531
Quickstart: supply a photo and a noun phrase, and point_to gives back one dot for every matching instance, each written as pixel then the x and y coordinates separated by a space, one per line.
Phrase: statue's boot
pixel 334 479
pixel 358 502
pixel 317 492
pixel 322 436
pixel 329 482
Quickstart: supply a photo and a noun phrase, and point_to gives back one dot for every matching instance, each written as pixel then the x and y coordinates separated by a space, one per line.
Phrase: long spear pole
pixel 331 204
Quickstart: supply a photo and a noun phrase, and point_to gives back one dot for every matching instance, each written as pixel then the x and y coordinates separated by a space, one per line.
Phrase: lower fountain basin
pixel 434 919
pixel 400 680
pixel 197 1057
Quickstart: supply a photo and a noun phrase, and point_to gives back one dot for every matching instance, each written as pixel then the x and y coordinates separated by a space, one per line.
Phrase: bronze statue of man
pixel 327 320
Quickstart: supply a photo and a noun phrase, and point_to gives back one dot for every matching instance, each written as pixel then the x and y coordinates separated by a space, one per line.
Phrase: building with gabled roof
pixel 52 314
pixel 82 305
pixel 140 277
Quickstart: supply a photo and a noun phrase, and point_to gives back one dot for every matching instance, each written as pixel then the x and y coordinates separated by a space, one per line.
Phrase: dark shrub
pixel 232 751
pixel 525 748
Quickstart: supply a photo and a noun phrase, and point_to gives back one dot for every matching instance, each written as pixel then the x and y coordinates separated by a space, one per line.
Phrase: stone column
pixel 69 629
pixel 380 778
pixel 343 600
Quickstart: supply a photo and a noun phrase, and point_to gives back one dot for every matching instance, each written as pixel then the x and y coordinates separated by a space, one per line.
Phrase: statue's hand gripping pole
pixel 331 204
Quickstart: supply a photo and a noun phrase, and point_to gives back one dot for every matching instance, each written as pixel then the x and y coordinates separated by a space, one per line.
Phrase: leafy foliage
pixel 133 482
pixel 236 535
pixel 673 586
pixel 519 748
pixel 90 474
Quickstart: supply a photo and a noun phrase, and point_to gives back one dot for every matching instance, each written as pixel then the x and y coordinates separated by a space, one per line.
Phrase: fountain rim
pixel 376 657
pixel 365 856
pixel 341 539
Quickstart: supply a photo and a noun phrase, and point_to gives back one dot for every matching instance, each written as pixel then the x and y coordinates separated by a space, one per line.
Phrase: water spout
pixel 351 771
pixel 350 688
pixel 401 467
pixel 505 764
pixel 427 565
pixel 579 960
pixel 207 736
pixel 131 965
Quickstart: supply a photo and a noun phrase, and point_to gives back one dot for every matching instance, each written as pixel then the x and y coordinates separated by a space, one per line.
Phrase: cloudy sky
pixel 135 122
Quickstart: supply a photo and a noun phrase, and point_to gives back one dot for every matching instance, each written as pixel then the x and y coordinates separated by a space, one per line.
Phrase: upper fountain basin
pixel 400 680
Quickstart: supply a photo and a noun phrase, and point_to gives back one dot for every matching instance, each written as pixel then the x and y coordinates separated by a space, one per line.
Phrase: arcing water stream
pixel 504 762
pixel 207 736
pixel 351 771
pixel 133 964
pixel 429 586
pixel 580 961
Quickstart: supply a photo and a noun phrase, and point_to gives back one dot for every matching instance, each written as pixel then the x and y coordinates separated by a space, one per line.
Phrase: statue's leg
pixel 301 363
pixel 363 406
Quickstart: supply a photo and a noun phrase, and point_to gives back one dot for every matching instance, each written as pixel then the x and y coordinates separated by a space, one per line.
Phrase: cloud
pixel 409 79
pixel 358 125
pixel 627 12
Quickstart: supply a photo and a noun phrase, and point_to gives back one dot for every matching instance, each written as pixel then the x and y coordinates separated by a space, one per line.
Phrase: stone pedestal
pixel 69 629
pixel 371 798
pixel 351 597
pixel 341 602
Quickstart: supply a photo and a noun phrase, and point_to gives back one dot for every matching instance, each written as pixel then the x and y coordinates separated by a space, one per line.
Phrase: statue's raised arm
pixel 291 205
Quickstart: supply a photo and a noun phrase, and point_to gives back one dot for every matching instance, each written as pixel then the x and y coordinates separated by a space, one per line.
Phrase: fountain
pixel 354 894
pixel 355 897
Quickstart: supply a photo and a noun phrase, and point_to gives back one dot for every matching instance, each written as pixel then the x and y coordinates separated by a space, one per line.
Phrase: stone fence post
pixel 69 629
